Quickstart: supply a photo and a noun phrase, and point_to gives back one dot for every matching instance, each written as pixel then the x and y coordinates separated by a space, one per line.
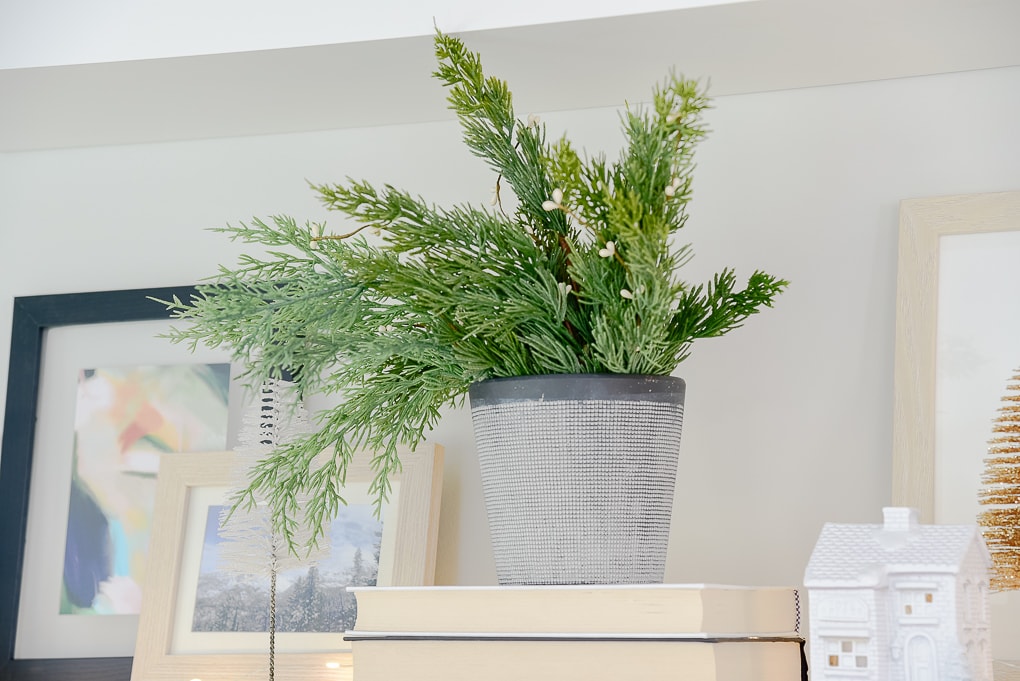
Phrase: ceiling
pixel 61 32
pixel 742 48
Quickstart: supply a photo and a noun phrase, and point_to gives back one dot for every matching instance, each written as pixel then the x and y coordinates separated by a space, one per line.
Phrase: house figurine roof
pixel 862 555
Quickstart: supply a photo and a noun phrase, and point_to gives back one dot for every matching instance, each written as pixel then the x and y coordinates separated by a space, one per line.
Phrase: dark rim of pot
pixel 561 387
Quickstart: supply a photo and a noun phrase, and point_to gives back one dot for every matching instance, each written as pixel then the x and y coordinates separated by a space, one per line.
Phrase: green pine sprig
pixel 582 277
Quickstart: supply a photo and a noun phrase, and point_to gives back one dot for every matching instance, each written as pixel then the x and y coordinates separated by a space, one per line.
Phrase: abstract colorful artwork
pixel 309 599
pixel 125 417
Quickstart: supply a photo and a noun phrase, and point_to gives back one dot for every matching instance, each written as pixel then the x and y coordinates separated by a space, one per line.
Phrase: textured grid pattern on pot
pixel 579 492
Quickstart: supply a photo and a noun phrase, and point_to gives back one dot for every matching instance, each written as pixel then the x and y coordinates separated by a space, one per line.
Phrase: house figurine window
pixel 917 603
pixel 847 653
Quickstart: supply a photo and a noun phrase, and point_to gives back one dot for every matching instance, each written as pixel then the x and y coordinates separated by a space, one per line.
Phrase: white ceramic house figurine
pixel 899 601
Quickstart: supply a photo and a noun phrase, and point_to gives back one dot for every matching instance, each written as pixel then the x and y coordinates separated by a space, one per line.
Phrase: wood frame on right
pixel 948 313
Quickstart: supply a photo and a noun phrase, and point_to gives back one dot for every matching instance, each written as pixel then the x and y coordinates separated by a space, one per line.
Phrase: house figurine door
pixel 920 659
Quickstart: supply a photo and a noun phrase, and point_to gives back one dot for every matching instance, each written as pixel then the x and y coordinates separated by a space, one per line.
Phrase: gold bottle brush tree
pixel 1000 491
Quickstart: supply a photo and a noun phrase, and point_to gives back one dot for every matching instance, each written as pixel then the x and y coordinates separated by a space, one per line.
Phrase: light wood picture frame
pixel 924 472
pixel 923 222
pixel 417 492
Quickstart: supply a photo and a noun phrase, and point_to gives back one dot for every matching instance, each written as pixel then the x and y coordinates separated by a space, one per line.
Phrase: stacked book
pixel 689 632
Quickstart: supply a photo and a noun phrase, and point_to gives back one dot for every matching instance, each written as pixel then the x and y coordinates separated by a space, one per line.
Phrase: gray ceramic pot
pixel 578 472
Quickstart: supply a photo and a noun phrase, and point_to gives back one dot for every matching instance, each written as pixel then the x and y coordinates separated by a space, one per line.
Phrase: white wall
pixel 788 420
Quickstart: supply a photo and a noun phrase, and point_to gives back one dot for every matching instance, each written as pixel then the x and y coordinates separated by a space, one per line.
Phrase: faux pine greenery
pixel 579 277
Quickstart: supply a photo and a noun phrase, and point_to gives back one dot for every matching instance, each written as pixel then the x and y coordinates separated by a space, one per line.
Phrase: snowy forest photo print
pixel 309 599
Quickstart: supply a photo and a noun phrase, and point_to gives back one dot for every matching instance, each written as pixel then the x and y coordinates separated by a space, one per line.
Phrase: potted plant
pixel 573 278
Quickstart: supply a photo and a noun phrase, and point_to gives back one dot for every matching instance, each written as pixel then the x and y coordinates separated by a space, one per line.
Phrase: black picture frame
pixel 33 315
